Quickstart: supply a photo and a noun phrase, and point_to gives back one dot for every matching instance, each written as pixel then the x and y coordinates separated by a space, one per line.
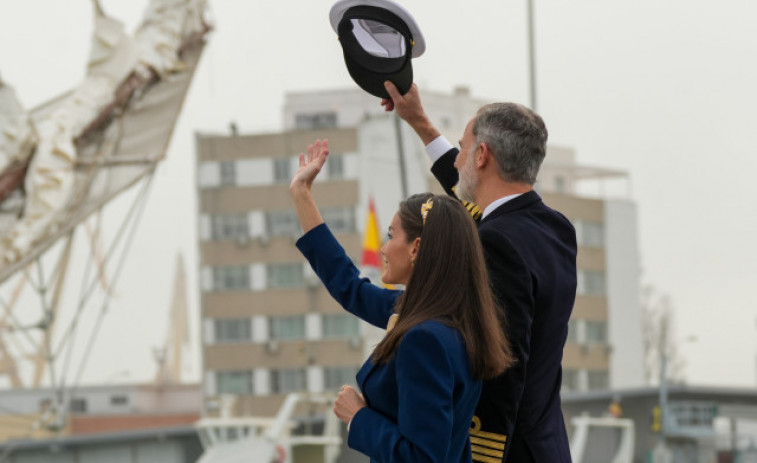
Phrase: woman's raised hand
pixel 310 165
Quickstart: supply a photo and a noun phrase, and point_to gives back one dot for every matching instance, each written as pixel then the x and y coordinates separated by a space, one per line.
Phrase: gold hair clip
pixel 425 208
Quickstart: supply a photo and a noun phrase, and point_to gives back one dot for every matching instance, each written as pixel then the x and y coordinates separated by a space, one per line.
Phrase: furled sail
pixel 101 137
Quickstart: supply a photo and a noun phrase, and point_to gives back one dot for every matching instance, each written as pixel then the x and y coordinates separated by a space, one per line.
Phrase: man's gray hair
pixel 516 136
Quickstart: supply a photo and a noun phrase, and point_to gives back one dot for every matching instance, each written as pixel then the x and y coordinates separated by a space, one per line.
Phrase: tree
pixel 658 335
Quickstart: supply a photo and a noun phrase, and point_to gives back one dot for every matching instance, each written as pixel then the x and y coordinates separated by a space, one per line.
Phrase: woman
pixel 422 382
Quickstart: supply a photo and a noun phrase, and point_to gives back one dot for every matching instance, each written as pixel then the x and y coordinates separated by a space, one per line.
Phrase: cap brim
pixel 419 43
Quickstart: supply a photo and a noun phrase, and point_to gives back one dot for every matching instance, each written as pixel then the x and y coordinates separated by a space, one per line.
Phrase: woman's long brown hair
pixel 450 284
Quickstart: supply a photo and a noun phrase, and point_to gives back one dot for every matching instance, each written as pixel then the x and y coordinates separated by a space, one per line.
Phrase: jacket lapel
pixel 364 372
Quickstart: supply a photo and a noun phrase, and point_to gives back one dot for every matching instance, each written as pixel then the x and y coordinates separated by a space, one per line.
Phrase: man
pixel 530 251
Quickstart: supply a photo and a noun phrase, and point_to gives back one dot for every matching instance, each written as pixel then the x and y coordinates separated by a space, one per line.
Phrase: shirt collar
pixel 498 202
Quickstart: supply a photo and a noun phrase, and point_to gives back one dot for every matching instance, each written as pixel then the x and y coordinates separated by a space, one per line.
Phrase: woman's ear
pixel 414 249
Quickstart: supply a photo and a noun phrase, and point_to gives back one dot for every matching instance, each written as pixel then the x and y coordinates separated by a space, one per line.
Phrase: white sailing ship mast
pixel 62 163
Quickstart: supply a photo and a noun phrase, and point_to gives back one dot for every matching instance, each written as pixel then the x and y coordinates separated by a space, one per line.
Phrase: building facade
pixel 270 328
pixel 703 424
pixel 32 414
pixel 604 349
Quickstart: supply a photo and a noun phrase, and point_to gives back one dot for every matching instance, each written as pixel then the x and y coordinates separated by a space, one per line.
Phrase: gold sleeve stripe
pixel 474 210
pixel 489 435
pixel 484 459
pixel 488 443
pixel 485 451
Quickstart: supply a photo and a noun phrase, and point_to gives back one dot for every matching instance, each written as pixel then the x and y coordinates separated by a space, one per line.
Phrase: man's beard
pixel 468 182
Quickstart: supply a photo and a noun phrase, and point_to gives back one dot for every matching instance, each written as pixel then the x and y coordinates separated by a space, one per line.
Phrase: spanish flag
pixel 372 262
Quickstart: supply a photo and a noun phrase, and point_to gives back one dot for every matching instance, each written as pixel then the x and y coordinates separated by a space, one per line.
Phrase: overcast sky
pixel 663 90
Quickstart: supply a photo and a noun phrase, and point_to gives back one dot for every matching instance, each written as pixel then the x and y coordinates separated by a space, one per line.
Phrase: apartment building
pixel 269 327
pixel 604 349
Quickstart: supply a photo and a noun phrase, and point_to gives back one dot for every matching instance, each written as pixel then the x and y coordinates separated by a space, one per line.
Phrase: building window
pixel 282 223
pixel 78 405
pixel 596 332
pixel 288 380
pixel 231 278
pixel 340 326
pixel 322 120
pixel 233 330
pixel 592 283
pixel 592 234
pixel 599 380
pixel 572 331
pixel 230 226
pixel 339 219
pixel 570 380
pixel 119 400
pixel 234 382
pixel 335 377
pixel 693 415
pixel 335 166
pixel 287 328
pixel 282 173
pixel 228 173
pixel 289 275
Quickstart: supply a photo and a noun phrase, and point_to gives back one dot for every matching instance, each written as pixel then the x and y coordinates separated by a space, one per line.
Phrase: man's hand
pixel 410 109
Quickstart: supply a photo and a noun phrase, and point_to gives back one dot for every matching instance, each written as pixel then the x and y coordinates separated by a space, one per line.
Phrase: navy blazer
pixel 530 253
pixel 421 402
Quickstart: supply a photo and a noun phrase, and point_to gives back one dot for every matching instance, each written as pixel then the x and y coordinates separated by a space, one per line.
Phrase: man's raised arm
pixel 410 109
pixel 441 152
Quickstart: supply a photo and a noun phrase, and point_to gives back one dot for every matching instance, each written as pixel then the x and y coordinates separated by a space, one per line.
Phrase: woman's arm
pixel 301 186
pixel 326 255
pixel 342 279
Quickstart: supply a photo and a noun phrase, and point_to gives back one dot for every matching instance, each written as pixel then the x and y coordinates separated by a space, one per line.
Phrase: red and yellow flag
pixel 372 239
pixel 372 244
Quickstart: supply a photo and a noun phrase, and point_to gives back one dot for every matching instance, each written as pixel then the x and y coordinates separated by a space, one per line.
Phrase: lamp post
pixel 663 400
pixel 400 154
pixel 664 412
pixel 531 54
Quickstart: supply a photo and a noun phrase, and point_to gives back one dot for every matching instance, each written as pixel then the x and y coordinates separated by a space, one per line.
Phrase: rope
pixel 116 274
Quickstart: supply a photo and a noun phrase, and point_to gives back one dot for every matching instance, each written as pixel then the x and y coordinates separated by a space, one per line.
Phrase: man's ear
pixel 482 155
